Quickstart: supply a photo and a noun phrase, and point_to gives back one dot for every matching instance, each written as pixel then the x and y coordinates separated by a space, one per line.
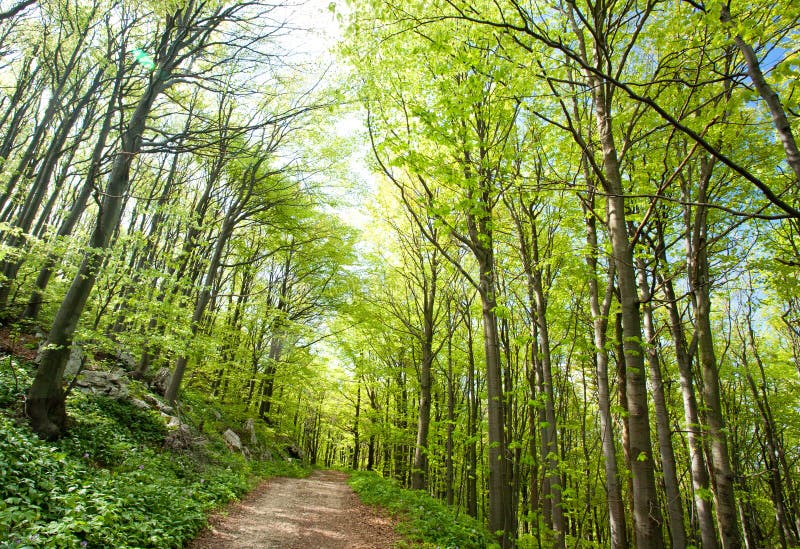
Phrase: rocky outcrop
pixel 160 381
pixel 232 440
pixel 75 361
pixel 250 429
pixel 157 404
pixel 109 384
pixel 180 439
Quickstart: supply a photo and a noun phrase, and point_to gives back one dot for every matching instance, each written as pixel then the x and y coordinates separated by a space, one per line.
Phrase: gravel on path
pixel 320 511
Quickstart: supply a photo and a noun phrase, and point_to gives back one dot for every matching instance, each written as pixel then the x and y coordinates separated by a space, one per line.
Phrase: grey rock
pixel 250 429
pixel 142 405
pixel 233 440
pixel 161 380
pixel 103 383
pixel 180 439
pixel 154 402
pixel 125 360
pixel 74 361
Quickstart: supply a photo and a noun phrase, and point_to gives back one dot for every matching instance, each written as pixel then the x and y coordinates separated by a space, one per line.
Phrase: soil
pixel 20 345
pixel 318 512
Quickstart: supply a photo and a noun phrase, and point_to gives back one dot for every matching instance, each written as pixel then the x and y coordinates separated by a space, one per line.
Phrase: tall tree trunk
pixel 55 101
pixel 646 512
pixel 71 220
pixel 699 471
pixel 203 298
pixel 700 281
pixel 769 95
pixel 616 505
pixel 31 205
pixel 471 450
pixel 45 403
pixel 677 532
pixel 774 448
pixel 356 439
pixel 420 468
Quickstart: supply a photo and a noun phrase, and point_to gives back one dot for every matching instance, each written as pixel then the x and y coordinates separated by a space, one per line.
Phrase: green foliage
pixel 426 518
pixel 109 483
pixel 14 379
pixel 104 429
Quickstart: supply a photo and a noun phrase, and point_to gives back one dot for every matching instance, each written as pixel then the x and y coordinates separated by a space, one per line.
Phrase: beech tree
pixel 185 34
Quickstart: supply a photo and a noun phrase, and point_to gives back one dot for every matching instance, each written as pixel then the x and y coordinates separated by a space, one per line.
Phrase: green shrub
pixel 108 483
pixel 423 517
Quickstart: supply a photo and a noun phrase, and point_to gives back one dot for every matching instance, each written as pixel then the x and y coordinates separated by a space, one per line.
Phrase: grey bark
pixel 677 531
pixel 700 287
pixel 616 505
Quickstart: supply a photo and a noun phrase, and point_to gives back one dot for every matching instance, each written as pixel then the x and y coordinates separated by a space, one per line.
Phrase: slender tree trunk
pixel 451 423
pixel 45 403
pixel 54 102
pixel 203 299
pixel 71 220
pixel 646 512
pixel 420 468
pixel 770 97
pixel 677 532
pixel 31 206
pixel 700 281
pixel 471 451
pixel 499 493
pixel 774 448
pixel 356 439
pixel 616 505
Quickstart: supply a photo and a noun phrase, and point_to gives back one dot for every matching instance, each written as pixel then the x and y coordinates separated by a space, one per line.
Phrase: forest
pixel 539 260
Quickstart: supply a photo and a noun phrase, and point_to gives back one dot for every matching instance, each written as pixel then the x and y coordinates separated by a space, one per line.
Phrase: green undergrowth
pixel 109 482
pixel 422 517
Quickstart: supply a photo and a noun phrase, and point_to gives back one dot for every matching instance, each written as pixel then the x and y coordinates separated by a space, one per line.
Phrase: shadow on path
pixel 320 511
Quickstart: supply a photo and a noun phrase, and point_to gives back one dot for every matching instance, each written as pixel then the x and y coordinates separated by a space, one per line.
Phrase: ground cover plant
pixel 109 482
pixel 423 517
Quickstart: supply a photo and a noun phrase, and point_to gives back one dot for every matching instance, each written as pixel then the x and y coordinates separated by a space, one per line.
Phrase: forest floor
pixel 320 511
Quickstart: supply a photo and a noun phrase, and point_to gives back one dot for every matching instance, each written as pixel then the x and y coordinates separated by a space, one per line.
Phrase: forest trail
pixel 320 511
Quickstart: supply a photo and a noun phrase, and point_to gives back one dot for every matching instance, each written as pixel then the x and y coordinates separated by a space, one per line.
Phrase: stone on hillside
pixel 141 404
pixel 74 361
pixel 295 451
pixel 250 429
pixel 154 402
pixel 103 383
pixel 233 440
pixel 161 380
pixel 125 360
pixel 179 439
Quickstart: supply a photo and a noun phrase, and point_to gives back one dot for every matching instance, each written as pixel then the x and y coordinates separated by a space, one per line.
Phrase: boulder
pixel 125 360
pixel 141 404
pixel 103 383
pixel 295 452
pixel 161 380
pixel 179 439
pixel 250 429
pixel 154 402
pixel 233 440
pixel 75 360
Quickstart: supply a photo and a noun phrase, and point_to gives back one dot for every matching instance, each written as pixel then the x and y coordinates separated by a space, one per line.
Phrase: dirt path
pixel 318 512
